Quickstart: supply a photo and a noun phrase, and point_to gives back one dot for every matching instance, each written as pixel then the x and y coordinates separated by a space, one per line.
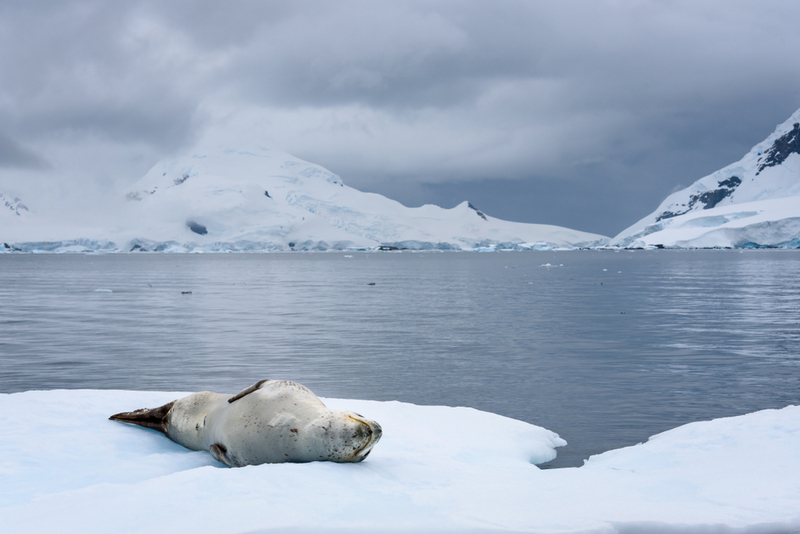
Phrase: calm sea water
pixel 605 348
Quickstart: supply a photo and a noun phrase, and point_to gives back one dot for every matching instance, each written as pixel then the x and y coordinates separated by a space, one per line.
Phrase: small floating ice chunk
pixel 103 291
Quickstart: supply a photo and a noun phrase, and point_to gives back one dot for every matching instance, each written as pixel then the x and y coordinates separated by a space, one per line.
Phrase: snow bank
pixel 66 468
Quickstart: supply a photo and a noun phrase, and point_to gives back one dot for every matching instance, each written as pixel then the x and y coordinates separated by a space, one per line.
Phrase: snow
pixel 763 223
pixel 746 204
pixel 230 194
pixel 65 467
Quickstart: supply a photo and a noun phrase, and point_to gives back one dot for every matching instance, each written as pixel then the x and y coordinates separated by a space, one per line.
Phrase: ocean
pixel 604 347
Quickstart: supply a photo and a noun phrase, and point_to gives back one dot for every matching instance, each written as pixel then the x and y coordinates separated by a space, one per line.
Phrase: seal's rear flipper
pixel 155 418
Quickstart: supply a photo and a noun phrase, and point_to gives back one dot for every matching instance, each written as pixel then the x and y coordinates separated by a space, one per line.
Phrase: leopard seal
pixel 272 421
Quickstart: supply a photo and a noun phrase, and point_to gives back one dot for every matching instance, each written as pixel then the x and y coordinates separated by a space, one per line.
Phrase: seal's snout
pixel 375 431
pixel 365 434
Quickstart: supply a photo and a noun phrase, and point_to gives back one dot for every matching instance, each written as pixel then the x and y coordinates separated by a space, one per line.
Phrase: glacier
pixel 66 468
pixel 752 203
pixel 238 196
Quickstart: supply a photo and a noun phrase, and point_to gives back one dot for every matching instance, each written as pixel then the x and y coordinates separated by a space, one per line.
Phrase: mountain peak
pixel 12 206
pixel 746 203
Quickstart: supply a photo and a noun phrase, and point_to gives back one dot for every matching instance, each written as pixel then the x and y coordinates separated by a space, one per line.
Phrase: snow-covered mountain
pixel 224 196
pixel 14 216
pixel 754 202
pixel 12 209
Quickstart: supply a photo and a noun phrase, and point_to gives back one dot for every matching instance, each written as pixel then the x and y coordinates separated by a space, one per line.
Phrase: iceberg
pixel 66 468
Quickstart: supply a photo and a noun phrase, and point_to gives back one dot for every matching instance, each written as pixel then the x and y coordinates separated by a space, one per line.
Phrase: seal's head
pixel 348 436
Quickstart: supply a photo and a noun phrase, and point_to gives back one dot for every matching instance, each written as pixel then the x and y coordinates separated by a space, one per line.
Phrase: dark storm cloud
pixel 583 113
pixel 12 155
pixel 80 66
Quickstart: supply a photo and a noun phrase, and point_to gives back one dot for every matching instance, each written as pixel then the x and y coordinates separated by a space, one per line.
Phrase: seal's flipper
pixel 220 454
pixel 155 418
pixel 244 392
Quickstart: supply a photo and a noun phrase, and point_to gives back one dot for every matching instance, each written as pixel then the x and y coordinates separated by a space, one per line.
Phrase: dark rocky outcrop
pixel 196 228
pixel 16 205
pixel 479 212
pixel 707 199
pixel 782 148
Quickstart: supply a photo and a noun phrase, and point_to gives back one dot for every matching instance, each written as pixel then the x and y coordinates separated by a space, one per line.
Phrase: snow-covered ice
pixel 64 467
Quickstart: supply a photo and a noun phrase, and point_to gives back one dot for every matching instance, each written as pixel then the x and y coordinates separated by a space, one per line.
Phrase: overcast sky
pixel 584 114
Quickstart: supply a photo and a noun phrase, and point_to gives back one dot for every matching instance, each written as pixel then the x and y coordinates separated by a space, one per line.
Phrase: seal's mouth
pixel 373 432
